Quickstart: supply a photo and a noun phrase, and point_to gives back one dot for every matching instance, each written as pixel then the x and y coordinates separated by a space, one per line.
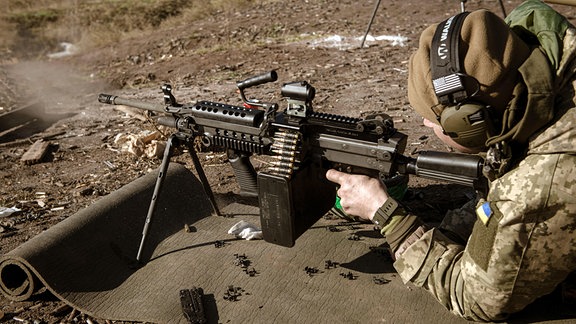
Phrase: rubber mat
pixel 337 272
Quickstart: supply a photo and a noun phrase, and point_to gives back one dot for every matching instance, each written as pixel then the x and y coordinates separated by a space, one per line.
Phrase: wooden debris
pixel 83 191
pixel 72 315
pixel 36 152
pixel 141 144
pixel 148 138
pixel 61 310
pixel 45 137
pixel 110 165
pixel 155 149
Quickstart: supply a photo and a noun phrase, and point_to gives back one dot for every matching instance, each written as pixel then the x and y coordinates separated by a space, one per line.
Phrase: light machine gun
pixel 293 192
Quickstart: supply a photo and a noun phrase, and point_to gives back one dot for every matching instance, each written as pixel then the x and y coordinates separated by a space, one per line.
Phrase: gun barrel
pixel 462 169
pixel 115 100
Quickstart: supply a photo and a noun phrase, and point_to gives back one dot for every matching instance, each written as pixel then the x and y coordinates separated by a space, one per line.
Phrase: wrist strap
pixel 385 212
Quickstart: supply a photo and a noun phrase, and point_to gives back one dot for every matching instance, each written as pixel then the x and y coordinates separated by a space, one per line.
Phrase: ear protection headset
pixel 466 121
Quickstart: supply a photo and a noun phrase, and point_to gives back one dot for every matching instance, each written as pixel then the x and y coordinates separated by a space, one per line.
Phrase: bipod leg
pixel 159 181
pixel 202 176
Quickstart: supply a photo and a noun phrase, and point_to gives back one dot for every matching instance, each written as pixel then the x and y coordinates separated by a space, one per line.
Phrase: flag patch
pixel 484 212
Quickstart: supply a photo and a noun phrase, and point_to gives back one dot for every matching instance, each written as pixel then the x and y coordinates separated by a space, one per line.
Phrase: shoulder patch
pixel 484 212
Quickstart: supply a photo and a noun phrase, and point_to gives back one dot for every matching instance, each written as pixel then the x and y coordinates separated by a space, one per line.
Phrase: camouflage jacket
pixel 522 238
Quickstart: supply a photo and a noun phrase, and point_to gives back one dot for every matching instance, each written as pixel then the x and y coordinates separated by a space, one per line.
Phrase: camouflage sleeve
pixel 521 247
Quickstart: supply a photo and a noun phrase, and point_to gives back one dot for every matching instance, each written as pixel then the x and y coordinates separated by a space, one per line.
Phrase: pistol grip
pixel 245 173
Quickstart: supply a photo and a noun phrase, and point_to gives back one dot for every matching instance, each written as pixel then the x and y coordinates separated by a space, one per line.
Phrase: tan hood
pixel 492 55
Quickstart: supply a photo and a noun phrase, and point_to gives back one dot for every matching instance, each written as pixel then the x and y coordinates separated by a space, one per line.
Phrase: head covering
pixel 489 51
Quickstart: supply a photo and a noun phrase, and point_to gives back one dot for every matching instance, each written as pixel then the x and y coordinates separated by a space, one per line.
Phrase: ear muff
pixel 467 124
pixel 466 121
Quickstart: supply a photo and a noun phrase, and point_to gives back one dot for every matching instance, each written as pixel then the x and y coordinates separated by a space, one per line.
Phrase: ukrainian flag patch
pixel 484 212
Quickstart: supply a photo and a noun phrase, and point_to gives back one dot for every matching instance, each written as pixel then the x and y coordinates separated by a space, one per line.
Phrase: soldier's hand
pixel 360 195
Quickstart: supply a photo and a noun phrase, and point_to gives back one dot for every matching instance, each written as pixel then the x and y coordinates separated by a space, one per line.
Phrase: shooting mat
pixel 87 261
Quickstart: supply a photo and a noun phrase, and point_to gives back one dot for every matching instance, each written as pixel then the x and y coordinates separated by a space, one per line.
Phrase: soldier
pixel 504 89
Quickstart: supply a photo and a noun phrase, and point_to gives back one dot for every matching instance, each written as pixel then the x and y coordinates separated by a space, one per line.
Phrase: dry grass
pixel 31 28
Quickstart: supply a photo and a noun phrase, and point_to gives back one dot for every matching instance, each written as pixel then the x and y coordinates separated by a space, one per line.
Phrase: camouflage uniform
pixel 528 245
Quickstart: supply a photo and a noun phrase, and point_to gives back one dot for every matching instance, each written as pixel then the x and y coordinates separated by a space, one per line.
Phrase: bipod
pixel 172 142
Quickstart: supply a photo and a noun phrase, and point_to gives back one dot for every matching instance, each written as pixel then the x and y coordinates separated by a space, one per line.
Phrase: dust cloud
pixel 34 95
pixel 54 86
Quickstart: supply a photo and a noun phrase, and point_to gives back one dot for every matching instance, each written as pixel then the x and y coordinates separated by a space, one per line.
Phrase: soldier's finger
pixel 335 176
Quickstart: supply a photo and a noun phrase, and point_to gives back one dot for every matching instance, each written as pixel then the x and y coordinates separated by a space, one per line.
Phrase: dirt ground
pixel 295 38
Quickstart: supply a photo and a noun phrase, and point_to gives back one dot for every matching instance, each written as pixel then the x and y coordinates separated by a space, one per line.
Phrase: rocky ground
pixel 317 41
